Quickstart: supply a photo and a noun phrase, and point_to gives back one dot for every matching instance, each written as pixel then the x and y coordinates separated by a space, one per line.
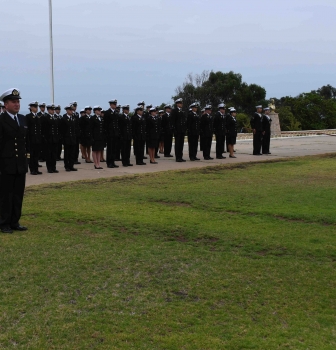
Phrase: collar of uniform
pixel 11 115
pixel 112 110
pixel 69 116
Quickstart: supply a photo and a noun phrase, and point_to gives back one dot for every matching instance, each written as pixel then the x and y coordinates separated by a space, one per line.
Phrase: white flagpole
pixel 51 53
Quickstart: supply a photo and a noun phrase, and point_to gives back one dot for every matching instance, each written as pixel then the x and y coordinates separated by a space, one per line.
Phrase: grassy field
pixel 229 257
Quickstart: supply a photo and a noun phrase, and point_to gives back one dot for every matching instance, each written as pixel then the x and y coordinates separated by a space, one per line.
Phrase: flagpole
pixel 51 54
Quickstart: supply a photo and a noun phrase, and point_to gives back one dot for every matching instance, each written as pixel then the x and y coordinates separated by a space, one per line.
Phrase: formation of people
pixel 44 133
pixel 151 131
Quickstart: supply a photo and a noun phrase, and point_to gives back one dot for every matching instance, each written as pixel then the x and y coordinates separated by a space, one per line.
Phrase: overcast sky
pixel 142 50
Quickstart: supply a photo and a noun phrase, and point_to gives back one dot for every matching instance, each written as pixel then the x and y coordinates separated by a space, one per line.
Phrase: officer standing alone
pixel 14 153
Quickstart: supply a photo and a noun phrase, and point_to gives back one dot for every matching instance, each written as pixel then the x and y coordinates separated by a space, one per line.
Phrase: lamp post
pixel 51 54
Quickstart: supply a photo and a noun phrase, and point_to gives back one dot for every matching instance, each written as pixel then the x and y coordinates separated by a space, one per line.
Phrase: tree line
pixel 308 111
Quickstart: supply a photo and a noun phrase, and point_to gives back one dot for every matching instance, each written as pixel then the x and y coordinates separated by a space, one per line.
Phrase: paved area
pixel 280 148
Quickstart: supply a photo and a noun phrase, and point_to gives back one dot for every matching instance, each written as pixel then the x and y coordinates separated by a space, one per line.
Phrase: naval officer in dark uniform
pixel 58 115
pixel 220 130
pixel 168 131
pixel 256 125
pixel 207 131
pixel 33 120
pixel 193 131
pixel 68 129
pixel 50 133
pixel 125 123
pixel 180 127
pixel 112 130
pixel 14 153
pixel 139 134
pixel 266 131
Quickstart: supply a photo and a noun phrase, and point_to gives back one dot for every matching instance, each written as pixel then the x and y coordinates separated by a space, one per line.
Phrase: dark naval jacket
pixel 125 124
pixel 179 120
pixel 14 144
pixel 67 127
pixel 193 123
pixel 256 122
pixel 111 123
pixel 266 124
pixel 167 124
pixel 50 128
pixel 207 125
pixel 139 127
pixel 219 124
pixel 34 128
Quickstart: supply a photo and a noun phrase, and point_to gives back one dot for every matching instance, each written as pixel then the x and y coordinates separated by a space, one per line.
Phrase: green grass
pixel 229 257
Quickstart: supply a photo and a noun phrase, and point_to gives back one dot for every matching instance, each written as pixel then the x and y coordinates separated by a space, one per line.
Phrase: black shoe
pixel 197 158
pixel 6 229
pixel 125 165
pixel 183 160
pixel 206 158
pixel 192 159
pixel 179 160
pixel 224 152
pixel 110 166
pixel 77 162
pixel 33 173
pixel 55 171
pixel 103 161
pixel 40 166
pixel 67 169
pixel 232 156
pixel 219 157
pixel 153 162
pixel 234 151
pixel 145 157
pixel 19 228
pixel 129 164
pixel 50 171
pixel 38 172
pixel 73 169
pixel 157 156
pixel 210 158
pixel 117 160
pixel 169 156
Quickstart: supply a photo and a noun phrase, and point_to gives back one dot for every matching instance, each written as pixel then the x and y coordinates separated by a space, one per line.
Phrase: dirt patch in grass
pixel 302 221
pixel 174 204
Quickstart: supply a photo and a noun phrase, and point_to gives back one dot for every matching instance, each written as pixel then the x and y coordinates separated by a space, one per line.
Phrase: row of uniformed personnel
pixel 48 131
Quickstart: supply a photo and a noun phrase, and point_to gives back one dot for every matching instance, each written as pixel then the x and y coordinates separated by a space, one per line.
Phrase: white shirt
pixel 13 116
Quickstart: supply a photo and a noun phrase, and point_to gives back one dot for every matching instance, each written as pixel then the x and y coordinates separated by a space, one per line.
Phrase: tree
pixel 287 120
pixel 216 87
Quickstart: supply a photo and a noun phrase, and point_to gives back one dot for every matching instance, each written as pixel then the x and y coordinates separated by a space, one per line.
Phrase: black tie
pixel 17 122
